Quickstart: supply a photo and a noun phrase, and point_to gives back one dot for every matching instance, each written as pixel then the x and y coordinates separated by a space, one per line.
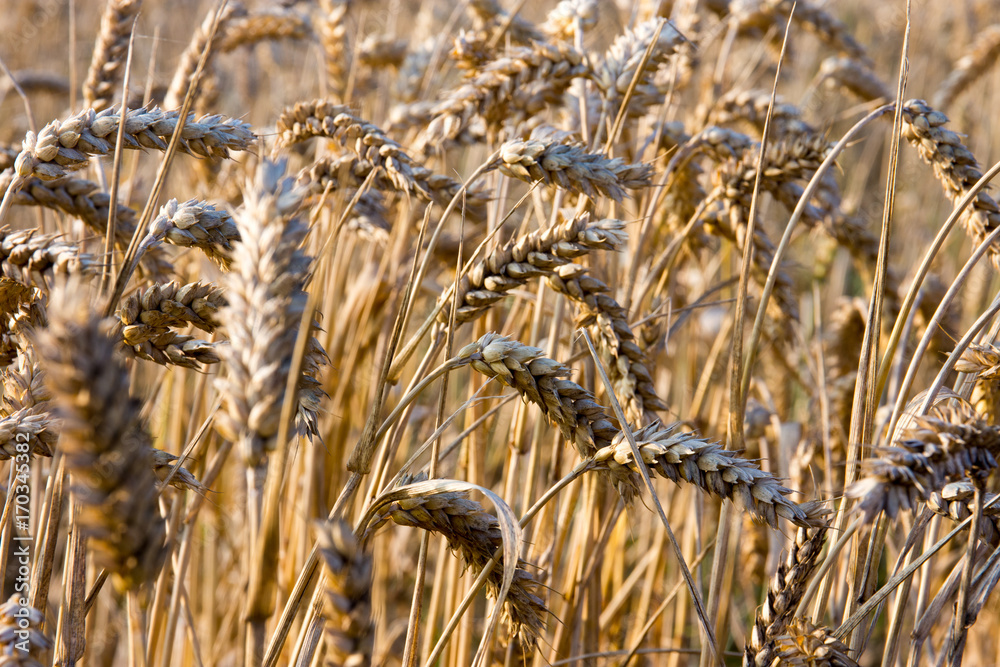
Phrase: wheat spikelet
pixel 490 16
pixel 34 432
pixel 561 22
pixel 105 444
pixel 984 362
pixel 21 639
pixel 262 318
pixel 956 501
pixel 518 86
pixel 955 166
pixel 320 118
pixel 62 147
pixel 855 77
pixel 474 534
pixel 163 464
pixel 680 456
pixel 532 255
pixel 981 56
pixel 35 259
pixel 20 310
pixel 764 14
pixel 24 387
pixel 83 199
pixel 147 317
pixel 621 64
pixel 571 168
pixel 333 38
pixel 566 404
pixel 382 51
pixel 109 53
pixel 194 224
pixel 349 621
pixel 806 645
pixel 250 29
pixel 352 171
pixel 784 592
pixel 627 365
pixel 188 63
pixel 949 445
pixel 750 106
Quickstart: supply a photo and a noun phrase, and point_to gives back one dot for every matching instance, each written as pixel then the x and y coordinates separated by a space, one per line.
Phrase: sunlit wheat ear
pixel 194 224
pixel 330 173
pixel 109 53
pixel 628 367
pixel 750 107
pixel 38 431
pixel 350 625
pixel 621 65
pixel 84 199
pixel 854 77
pixel 106 445
pixel 322 118
pixel 149 318
pixel 332 28
pixel 955 167
pixel 566 404
pixel 571 168
pixel 560 22
pixel 268 25
pixel 474 535
pixel 517 86
pixel 266 300
pixel 784 592
pixel 950 444
pixel 684 457
pixel 62 147
pixel 35 260
pixel 529 256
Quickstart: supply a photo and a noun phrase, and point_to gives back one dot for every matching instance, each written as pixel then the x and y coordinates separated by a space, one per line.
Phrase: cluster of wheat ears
pixel 277 278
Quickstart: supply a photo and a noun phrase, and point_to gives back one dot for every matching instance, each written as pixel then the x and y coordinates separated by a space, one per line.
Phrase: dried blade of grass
pixel 867 388
pixel 131 254
pixel 737 397
pixel 786 238
pixel 706 627
pixel 116 172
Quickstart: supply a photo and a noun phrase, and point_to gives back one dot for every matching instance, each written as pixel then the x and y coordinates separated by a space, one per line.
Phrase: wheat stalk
pixel 109 53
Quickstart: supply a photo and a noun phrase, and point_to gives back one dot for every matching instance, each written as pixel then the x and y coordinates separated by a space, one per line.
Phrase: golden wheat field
pixel 493 332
